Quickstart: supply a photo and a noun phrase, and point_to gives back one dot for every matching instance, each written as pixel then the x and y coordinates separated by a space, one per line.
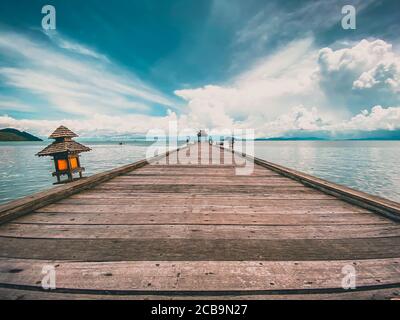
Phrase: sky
pixel 281 68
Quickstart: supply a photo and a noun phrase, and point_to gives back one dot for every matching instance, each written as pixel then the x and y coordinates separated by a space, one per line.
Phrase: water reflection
pixel 370 166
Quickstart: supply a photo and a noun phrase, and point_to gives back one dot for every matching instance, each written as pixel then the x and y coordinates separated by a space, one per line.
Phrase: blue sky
pixel 279 67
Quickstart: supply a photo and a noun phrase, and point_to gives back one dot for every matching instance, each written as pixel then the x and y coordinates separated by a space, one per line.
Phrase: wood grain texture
pixel 157 218
pixel 196 231
pixel 201 275
pixel 199 249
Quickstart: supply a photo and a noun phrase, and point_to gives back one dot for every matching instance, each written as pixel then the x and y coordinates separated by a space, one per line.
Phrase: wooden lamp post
pixel 65 153
pixel 201 133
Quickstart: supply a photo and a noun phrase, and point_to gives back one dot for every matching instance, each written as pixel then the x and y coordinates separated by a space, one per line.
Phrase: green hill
pixel 10 134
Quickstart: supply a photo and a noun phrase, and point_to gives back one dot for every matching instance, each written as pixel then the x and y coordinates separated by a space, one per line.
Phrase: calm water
pixel 22 173
pixel 370 166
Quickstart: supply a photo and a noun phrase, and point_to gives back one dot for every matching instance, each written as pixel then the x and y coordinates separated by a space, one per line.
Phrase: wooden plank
pixel 266 208
pixel 209 276
pixel 201 189
pixel 203 218
pixel 170 231
pixel 206 169
pixel 128 183
pixel 199 249
pixel 168 171
pixel 194 166
pixel 38 294
pixel 296 193
pixel 189 179
pixel 209 201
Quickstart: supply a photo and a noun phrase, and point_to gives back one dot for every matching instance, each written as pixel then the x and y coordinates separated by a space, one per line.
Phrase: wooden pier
pixel 172 231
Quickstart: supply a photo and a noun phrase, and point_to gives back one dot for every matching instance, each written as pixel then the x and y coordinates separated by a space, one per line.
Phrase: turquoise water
pixel 370 166
pixel 23 173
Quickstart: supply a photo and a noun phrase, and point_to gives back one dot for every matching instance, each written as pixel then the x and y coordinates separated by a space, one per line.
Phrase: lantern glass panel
pixel 73 163
pixel 62 164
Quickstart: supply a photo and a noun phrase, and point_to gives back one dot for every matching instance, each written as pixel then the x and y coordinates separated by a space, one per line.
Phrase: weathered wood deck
pixel 195 231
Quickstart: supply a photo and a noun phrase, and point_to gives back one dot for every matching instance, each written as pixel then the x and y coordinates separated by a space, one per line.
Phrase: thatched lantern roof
pixel 62 132
pixel 63 143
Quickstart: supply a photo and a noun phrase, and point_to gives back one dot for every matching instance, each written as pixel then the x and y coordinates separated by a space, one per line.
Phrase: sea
pixel 366 165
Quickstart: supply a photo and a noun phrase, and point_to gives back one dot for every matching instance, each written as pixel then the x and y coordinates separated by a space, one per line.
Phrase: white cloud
pixel 385 74
pixel 74 47
pixel 370 68
pixel 75 85
pixel 309 121
pixel 270 88
pixel 301 88
pixel 378 118
pixel 96 125
pixel 361 56
pixel 301 121
pixel 298 121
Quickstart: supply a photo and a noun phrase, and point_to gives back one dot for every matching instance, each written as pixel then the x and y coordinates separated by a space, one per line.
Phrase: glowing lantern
pixel 65 153
pixel 73 162
pixel 62 164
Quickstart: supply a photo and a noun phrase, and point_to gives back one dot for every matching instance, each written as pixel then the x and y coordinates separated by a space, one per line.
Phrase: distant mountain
pixel 377 135
pixel 289 139
pixel 10 134
pixel 346 135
